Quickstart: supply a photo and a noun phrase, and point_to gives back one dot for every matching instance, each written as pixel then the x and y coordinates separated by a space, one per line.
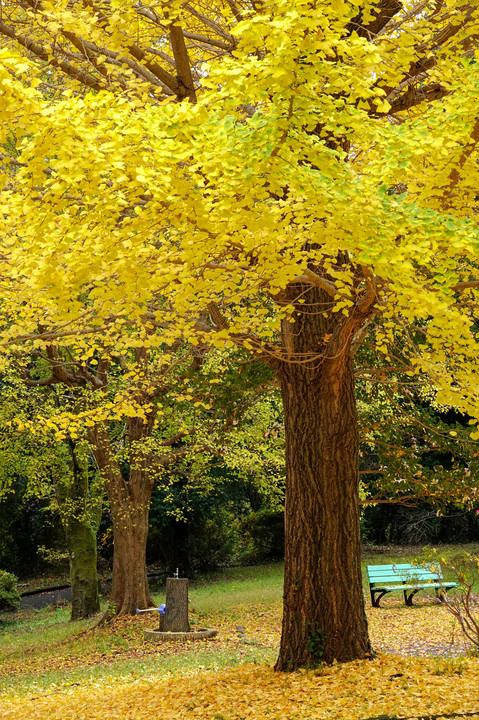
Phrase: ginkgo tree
pixel 287 176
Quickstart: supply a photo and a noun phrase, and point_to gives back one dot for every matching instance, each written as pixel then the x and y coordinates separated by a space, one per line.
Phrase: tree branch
pixel 183 66
pixel 385 10
pixel 370 295
pixel 208 41
pixel 172 440
pixel 465 285
pixel 455 174
pixel 217 316
pixel 211 24
pixel 36 49
pixel 414 96
pixel 315 279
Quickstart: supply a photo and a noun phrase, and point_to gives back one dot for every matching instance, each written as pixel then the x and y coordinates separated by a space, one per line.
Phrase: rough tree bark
pixel 323 615
pixel 81 517
pixel 129 505
pixel 81 545
pixel 129 502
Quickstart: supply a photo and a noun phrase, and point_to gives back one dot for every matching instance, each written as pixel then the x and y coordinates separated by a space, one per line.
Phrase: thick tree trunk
pixel 81 544
pixel 129 511
pixel 80 504
pixel 323 616
pixel 129 505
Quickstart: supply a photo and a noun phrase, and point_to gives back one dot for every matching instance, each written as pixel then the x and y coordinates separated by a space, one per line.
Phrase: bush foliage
pixel 263 536
pixel 9 595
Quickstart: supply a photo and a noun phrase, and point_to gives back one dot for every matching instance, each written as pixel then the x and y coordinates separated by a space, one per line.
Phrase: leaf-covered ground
pixel 51 668
pixel 113 672
pixel 388 687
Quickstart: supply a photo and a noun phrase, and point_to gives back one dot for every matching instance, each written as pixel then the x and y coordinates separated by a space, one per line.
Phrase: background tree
pixel 146 420
pixel 79 496
pixel 55 477
pixel 125 440
pixel 326 177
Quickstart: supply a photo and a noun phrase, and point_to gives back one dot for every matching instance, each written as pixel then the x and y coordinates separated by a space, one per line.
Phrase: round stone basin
pixel 200 634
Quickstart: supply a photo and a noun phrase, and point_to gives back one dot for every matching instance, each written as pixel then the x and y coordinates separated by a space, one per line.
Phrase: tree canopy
pixel 317 121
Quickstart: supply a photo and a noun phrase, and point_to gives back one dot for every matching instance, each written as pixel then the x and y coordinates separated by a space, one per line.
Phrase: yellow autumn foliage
pixel 120 196
pixel 178 170
pixel 405 681
pixel 388 686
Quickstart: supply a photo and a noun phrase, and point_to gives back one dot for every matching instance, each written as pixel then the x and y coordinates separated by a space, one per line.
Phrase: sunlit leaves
pixel 286 160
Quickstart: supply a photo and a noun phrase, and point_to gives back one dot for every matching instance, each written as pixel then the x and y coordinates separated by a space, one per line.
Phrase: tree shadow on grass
pixel 443 716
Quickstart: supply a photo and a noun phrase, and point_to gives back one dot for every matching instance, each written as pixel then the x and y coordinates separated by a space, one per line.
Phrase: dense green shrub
pixel 262 534
pixel 213 542
pixel 9 595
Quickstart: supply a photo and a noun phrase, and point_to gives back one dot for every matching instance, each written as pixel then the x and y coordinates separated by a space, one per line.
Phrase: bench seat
pixel 406 578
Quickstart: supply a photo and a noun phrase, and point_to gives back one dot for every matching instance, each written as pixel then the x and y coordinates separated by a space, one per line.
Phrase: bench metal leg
pixel 408 598
pixel 376 598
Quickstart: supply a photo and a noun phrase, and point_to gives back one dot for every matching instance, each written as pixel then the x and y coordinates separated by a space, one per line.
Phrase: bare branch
pixel 385 10
pixel 235 10
pixel 393 25
pixel 416 95
pixel 172 440
pixel 211 24
pixel 217 317
pixel 207 41
pixel 465 285
pixel 322 283
pixel 36 49
pixel 183 66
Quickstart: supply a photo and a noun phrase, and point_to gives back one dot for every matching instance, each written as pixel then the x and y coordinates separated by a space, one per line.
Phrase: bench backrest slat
pixel 402 572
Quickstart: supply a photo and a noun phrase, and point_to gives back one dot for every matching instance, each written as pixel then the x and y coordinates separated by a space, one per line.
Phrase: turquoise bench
pixel 405 578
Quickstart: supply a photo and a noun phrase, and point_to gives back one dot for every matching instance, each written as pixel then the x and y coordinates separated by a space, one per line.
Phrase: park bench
pixel 405 578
